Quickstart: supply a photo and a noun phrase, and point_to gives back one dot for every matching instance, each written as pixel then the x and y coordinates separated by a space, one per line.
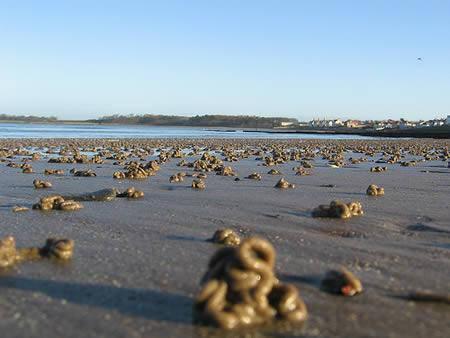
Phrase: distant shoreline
pixel 48 122
pixel 431 132
pixel 442 132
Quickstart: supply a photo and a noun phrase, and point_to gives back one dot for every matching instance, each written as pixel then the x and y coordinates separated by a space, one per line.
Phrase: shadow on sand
pixel 419 227
pixel 312 280
pixel 149 304
pixel 185 238
pixel 175 187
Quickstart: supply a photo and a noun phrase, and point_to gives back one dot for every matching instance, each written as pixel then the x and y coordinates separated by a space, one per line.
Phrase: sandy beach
pixel 137 264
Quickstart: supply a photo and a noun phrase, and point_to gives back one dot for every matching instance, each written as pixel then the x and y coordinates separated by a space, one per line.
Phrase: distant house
pixel 313 123
pixel 321 123
pixel 379 125
pixel 286 124
pixel 303 124
pixel 438 123
pixel 421 124
pixel 447 121
pixel 406 124
pixel 352 123
pixel 338 123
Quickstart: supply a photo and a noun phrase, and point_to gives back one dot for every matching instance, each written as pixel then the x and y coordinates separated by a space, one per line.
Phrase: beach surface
pixel 137 264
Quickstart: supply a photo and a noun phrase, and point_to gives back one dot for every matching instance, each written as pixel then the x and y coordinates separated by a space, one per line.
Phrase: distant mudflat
pixel 137 264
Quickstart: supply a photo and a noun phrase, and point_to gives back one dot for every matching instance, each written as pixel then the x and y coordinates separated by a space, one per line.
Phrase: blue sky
pixel 303 59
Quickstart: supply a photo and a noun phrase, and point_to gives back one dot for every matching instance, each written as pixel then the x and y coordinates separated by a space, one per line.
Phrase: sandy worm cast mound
pixel 35 157
pixel 76 158
pixel 53 172
pixel 408 164
pixel 338 209
pixel 226 236
pixel 254 176
pixel 378 169
pixel 131 192
pixel 300 171
pixel 19 208
pixel 198 184
pixel 274 172
pixel 268 161
pixel 283 184
pixel 57 202
pixel 183 163
pixel 374 190
pixel 136 170
pixel 307 165
pixel 178 177
pixel 341 282
pixel 202 176
pixel 61 249
pixel 61 159
pixel 13 165
pixel 336 164
pixel 206 163
pixel 40 184
pixel 357 160
pixel 226 171
pixel 119 175
pixel 240 289
pixel 83 173
pixel 27 170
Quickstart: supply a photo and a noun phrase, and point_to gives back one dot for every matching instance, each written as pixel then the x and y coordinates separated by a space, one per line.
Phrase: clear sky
pixel 303 59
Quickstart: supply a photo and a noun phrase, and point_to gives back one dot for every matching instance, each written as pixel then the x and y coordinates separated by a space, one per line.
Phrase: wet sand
pixel 138 263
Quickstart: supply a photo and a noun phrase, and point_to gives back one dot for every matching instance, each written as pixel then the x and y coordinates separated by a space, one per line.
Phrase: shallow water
pixel 28 130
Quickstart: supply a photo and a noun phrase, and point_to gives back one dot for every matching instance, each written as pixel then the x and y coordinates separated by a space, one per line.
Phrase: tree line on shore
pixel 233 121
pixel 27 118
